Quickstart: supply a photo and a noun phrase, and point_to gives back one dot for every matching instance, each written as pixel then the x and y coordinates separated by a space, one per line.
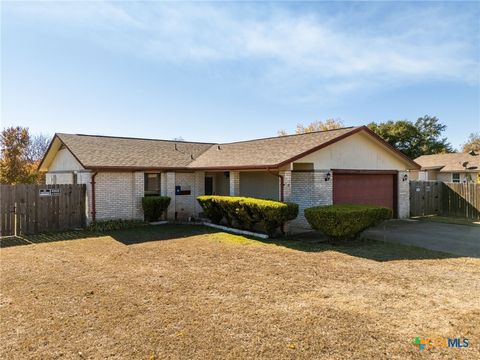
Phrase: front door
pixel 208 185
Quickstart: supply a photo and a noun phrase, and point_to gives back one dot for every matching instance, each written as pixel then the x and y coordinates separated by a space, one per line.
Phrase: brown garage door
pixel 364 188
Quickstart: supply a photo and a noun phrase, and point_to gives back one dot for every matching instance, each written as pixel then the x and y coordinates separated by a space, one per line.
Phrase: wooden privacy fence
pixel 446 199
pixel 32 209
pixel 461 200
pixel 425 198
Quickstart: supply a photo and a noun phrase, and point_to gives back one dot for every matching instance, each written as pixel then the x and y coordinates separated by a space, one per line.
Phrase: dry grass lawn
pixel 198 294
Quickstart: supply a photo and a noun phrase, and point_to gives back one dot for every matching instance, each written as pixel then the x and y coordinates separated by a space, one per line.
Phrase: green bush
pixel 246 212
pixel 115 224
pixel 154 206
pixel 210 208
pixel 345 221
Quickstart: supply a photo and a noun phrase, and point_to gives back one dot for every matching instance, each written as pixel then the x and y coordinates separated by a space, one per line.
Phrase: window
pixel 456 177
pixel 152 184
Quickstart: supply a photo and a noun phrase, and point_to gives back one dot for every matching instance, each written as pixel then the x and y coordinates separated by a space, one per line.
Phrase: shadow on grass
pixel 159 232
pixel 131 236
pixel 308 242
pixel 364 248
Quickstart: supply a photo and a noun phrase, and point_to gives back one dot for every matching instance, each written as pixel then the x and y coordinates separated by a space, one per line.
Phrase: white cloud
pixel 311 53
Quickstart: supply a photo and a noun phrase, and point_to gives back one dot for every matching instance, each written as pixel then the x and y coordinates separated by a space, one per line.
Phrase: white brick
pixel 118 195
pixel 309 188
pixel 170 192
pixel 403 195
pixel 234 183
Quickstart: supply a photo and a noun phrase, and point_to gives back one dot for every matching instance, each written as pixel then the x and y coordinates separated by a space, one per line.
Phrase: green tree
pixel 473 143
pixel 430 136
pixel 424 137
pixel 15 165
pixel 401 134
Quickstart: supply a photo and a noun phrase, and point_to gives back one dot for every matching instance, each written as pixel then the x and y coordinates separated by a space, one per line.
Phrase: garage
pixel 365 187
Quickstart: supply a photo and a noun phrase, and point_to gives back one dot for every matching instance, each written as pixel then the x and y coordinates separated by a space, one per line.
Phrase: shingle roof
pixel 448 162
pixel 265 152
pixel 106 152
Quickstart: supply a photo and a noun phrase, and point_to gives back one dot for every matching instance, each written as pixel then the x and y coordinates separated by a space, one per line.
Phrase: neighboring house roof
pixel 449 162
pixel 105 152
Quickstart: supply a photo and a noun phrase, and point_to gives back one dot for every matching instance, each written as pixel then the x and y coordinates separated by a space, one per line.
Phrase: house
pixel 348 165
pixel 453 167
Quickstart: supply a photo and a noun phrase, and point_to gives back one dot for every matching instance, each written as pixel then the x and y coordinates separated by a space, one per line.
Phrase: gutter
pixel 92 182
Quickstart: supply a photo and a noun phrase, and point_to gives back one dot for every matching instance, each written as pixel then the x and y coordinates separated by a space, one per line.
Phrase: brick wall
pixel 169 187
pixel 185 204
pixel 310 189
pixel 234 183
pixel 403 196
pixel 118 195
pixel 198 190
pixel 163 184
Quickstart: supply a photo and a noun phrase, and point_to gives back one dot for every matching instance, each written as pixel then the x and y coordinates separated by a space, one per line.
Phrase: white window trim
pixel 459 177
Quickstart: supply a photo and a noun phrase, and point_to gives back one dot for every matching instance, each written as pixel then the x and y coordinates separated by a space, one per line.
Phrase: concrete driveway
pixel 460 240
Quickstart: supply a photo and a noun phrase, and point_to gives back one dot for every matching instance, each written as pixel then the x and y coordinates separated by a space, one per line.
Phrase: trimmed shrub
pixel 154 207
pixel 210 208
pixel 246 212
pixel 340 222
pixel 114 224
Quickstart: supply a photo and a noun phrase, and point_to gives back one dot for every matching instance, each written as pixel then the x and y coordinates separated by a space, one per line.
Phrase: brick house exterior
pixel 298 168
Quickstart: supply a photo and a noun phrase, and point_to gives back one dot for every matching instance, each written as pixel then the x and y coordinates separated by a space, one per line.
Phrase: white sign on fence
pixel 44 192
pixel 49 192
pixel 55 192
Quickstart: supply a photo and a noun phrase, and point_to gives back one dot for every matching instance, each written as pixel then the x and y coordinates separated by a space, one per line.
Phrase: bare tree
pixel 329 124
pixel 37 147
pixel 319 125
pixel 473 143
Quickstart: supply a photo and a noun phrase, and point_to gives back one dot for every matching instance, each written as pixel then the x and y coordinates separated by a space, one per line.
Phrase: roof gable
pixel 357 151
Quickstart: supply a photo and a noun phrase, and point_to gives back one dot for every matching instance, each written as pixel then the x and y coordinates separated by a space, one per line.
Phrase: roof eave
pixel 179 168
pixel 56 136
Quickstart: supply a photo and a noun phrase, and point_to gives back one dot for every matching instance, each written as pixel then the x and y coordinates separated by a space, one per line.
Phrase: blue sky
pixel 232 71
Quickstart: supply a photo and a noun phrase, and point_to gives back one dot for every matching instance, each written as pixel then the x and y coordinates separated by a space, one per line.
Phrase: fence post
pixel 15 219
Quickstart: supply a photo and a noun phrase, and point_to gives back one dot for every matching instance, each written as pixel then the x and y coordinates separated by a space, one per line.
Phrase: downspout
pixel 282 183
pixel 93 212
pixel 282 186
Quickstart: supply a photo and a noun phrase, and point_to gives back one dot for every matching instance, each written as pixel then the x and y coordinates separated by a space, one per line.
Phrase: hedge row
pixel 340 222
pixel 114 224
pixel 246 212
pixel 154 207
